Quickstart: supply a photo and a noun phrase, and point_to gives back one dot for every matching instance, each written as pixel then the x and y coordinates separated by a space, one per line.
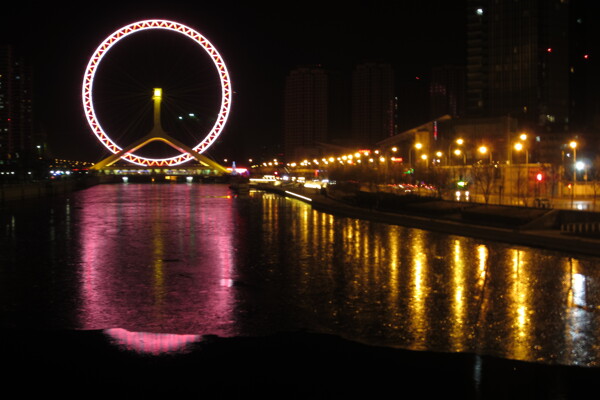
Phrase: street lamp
pixel 518 147
pixel 484 150
pixel 459 142
pixel 582 167
pixel 458 152
pixel 439 155
pixel 424 158
pixel 418 146
pixel 573 145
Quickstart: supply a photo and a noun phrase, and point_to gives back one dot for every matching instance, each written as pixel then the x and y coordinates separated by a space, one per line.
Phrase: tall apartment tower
pixel 16 108
pixel 373 103
pixel 476 77
pixel 305 112
pixel 585 64
pixel 518 61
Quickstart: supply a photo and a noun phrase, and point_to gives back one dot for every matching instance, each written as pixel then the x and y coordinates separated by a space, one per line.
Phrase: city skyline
pixel 259 44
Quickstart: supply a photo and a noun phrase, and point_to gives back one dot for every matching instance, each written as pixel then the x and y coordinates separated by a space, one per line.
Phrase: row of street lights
pixel 377 154
pixel 414 157
pixel 458 152
pixel 417 154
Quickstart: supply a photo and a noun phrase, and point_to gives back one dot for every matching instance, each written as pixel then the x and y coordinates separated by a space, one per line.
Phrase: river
pixel 179 261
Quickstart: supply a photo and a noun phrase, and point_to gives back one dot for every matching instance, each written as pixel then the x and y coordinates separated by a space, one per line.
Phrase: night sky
pixel 259 43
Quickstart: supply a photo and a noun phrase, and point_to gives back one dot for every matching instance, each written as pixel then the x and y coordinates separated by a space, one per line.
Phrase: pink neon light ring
pixel 88 83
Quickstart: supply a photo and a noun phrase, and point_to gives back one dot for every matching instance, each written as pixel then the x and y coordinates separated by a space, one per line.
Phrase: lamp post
pixel 459 142
pixel 523 137
pixel 573 145
pixel 439 156
pixel 418 146
pixel 458 152
pixel 518 147
pixel 484 150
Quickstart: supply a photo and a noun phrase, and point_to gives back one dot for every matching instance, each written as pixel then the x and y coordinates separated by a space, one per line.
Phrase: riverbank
pixel 296 365
pixel 17 192
pixel 563 230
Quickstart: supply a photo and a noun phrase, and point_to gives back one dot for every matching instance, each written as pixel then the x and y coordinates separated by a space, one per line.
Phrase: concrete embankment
pixel 543 228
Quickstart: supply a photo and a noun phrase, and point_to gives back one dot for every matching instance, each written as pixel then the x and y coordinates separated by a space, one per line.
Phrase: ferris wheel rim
pixel 114 38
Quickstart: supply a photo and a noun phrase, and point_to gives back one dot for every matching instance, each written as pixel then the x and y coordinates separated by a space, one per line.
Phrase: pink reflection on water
pixel 157 258
pixel 151 343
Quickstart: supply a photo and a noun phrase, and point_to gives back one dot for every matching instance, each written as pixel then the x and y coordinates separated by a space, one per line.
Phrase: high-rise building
pixel 305 112
pixel 16 108
pixel 518 61
pixel 373 103
pixel 447 91
pixel 476 79
pixel 584 48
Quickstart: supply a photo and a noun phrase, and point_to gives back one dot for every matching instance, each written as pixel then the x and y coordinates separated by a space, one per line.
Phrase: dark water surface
pixel 157 267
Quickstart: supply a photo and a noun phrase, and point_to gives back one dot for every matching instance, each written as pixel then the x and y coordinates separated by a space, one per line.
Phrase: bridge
pixel 205 165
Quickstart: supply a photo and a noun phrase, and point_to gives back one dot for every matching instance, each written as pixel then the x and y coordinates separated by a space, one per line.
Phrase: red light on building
pixel 549 50
pixel 539 177
pixel 586 56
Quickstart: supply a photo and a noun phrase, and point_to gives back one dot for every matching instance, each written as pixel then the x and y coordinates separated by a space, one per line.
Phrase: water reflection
pixel 580 324
pixel 193 260
pixel 151 343
pixel 421 290
pixel 156 258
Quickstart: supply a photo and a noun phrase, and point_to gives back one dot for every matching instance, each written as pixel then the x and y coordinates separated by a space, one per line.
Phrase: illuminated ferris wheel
pixel 127 153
